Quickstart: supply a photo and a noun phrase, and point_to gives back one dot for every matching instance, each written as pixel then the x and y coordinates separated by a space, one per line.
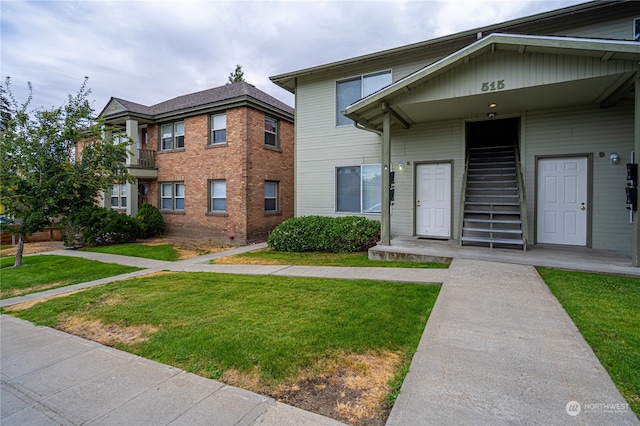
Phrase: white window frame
pixel 215 195
pixel 636 29
pixel 275 197
pixel 176 139
pixel 173 196
pixel 215 129
pixel 119 194
pixel 341 120
pixel 362 191
pixel 269 132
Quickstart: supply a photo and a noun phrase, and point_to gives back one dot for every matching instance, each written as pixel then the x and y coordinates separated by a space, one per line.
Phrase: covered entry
pixel 536 78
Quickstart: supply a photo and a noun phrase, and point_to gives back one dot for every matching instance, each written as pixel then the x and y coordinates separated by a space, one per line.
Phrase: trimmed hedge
pixel 151 220
pixel 94 225
pixel 322 233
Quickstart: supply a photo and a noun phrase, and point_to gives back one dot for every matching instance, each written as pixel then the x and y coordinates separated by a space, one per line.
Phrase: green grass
pixel 51 271
pixel 157 252
pixel 606 309
pixel 320 259
pixel 277 326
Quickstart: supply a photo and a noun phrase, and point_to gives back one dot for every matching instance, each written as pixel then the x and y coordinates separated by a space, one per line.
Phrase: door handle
pixel 583 206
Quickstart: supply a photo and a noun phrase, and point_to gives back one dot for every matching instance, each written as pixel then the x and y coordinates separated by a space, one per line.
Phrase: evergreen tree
pixel 237 75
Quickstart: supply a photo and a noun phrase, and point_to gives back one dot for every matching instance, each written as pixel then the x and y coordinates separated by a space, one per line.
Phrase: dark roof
pixel 210 96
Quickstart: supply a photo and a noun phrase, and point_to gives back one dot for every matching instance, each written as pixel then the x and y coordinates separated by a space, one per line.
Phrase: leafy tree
pixel 237 75
pixel 41 178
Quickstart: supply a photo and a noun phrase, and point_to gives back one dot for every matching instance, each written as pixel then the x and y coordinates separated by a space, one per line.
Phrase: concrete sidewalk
pixel 53 378
pixel 498 349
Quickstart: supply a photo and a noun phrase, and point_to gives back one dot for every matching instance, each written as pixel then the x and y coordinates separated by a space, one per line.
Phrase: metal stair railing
pixel 522 198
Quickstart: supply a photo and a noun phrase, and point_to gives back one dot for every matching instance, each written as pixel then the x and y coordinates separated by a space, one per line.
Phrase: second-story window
pixel 354 89
pixel 172 136
pixel 270 131
pixel 218 129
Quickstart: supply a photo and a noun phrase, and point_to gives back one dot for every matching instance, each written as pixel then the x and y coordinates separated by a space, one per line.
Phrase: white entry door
pixel 562 201
pixel 433 200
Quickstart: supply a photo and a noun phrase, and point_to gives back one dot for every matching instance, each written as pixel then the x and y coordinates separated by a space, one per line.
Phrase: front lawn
pixel 359 259
pixel 43 272
pixel 606 310
pixel 158 252
pixel 267 334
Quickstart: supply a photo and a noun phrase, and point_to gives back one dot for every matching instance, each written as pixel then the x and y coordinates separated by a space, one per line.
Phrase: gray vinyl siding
pixel 586 130
pixel 618 29
pixel 441 141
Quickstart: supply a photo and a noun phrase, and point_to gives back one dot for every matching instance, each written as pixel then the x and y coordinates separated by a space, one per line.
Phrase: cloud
pixel 151 51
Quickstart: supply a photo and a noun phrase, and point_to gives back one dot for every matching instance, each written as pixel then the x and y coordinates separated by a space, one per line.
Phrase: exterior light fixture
pixel 615 158
pixel 400 166
pixel 492 105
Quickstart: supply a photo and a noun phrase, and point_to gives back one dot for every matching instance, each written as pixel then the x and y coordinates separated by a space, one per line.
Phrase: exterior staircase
pixel 493 199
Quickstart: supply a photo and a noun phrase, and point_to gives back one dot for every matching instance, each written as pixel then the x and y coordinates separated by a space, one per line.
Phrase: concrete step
pixel 516 241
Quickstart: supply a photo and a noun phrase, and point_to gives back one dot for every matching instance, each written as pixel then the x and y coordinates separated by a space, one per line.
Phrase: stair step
pixel 517 241
pixel 491 181
pixel 504 221
pixel 492 169
pixel 482 176
pixel 500 212
pixel 493 230
pixel 485 148
pixel 493 189
pixel 490 203
pixel 491 162
pixel 493 196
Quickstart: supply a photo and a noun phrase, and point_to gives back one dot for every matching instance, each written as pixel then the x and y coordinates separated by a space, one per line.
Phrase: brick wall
pixel 244 162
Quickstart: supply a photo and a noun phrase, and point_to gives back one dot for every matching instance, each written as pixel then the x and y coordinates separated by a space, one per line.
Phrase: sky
pixel 151 51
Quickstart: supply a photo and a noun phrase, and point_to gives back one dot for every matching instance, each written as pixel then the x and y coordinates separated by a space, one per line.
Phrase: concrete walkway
pixel 498 349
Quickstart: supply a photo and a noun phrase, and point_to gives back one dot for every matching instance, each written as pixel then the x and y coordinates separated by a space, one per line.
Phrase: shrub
pixel 322 233
pixel 151 220
pixel 94 225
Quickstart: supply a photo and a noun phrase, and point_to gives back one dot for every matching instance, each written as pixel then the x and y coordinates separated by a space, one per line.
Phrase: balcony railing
pixel 146 158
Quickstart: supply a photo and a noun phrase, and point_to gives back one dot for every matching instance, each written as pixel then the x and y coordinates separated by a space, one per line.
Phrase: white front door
pixel 562 201
pixel 433 200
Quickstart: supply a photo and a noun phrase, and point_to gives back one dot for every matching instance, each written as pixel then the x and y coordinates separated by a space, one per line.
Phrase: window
pixel 358 189
pixel 218 196
pixel 354 89
pixel 172 136
pixel 218 129
pixel 119 196
pixel 636 29
pixel 270 132
pixel 271 197
pixel 172 196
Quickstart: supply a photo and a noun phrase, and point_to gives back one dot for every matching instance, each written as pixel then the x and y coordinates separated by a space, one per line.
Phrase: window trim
pixel 360 77
pixel 636 29
pixel 120 195
pixel 276 143
pixel 276 197
pixel 213 129
pixel 211 197
pixel 173 197
pixel 174 136
pixel 361 189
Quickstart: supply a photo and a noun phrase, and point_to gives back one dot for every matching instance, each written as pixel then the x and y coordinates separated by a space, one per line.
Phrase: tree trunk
pixel 19 251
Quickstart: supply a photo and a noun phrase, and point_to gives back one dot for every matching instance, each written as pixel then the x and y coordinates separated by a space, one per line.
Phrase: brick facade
pixel 244 162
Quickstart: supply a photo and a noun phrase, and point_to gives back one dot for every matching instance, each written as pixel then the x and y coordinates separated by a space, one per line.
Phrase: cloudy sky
pixel 151 51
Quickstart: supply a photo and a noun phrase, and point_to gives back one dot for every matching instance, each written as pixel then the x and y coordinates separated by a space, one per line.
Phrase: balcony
pixel 143 165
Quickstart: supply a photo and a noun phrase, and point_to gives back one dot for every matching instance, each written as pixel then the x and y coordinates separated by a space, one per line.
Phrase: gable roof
pixel 219 97
pixel 526 25
pixel 368 113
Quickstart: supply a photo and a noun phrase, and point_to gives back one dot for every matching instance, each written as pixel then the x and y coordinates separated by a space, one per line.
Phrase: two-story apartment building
pixel 505 136
pixel 217 163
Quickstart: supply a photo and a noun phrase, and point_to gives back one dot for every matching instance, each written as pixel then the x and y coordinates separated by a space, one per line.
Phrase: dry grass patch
pixel 107 334
pixel 31 303
pixel 188 247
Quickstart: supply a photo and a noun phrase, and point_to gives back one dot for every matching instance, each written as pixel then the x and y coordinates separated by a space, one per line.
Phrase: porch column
pixel 636 219
pixel 132 159
pixel 132 134
pixel 385 217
